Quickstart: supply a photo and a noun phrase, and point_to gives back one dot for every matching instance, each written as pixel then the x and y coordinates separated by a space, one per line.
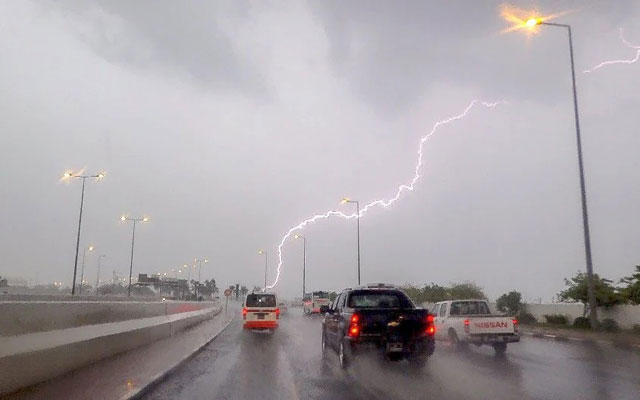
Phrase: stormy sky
pixel 229 122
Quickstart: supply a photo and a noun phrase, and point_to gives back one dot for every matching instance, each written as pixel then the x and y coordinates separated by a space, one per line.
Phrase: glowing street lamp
pixel 124 218
pixel 68 175
pixel 84 255
pixel 357 203
pixel 532 23
pixel 304 261
pixel 266 265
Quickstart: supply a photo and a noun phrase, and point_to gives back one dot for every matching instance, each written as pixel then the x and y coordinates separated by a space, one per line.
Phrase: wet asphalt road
pixel 289 365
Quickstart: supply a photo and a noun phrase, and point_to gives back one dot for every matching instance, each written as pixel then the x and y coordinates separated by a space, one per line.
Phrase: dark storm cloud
pixel 392 52
pixel 185 37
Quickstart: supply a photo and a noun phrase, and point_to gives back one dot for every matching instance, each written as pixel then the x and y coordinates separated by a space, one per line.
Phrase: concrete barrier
pixel 22 317
pixel 32 358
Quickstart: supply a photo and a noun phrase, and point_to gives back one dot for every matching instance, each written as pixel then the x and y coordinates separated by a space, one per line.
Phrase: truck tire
pixel 344 355
pixel 500 348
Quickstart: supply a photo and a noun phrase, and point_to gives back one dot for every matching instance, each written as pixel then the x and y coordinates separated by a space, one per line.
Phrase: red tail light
pixel 244 313
pixel 354 328
pixel 277 313
pixel 431 329
pixel 466 326
pixel 515 325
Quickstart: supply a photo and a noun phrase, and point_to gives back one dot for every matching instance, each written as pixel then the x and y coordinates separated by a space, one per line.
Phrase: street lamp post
pixel 133 241
pixel 68 175
pixel 266 265
pixel 199 263
pixel 84 255
pixel 100 257
pixel 304 261
pixel 593 316
pixel 357 203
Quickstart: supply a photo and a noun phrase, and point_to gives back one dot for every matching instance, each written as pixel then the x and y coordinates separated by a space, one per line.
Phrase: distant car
pixel 380 318
pixel 284 309
pixel 312 302
pixel 260 311
pixel 470 321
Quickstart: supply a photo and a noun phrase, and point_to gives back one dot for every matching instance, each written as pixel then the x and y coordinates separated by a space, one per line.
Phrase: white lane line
pixel 575 339
pixel 550 336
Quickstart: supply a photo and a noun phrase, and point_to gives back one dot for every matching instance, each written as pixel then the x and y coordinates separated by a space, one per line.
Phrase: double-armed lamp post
pixel 124 218
pixel 67 176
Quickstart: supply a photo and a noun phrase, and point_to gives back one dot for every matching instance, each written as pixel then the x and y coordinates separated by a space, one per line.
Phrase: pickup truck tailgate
pixel 490 325
pixel 401 324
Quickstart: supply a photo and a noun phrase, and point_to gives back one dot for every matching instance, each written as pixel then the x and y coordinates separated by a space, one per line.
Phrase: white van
pixel 261 311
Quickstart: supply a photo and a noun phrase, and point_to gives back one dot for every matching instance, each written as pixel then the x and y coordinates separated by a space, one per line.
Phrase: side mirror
pixel 325 309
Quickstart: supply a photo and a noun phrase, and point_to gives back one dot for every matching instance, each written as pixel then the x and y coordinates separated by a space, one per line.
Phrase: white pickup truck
pixel 470 321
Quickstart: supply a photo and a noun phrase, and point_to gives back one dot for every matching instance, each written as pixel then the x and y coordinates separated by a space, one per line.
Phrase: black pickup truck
pixel 377 317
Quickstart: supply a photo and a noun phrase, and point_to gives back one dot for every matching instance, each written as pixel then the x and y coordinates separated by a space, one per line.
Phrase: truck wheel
pixel 344 357
pixel 500 348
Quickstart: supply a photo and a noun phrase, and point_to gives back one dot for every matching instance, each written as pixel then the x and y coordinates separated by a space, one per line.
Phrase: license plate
pixel 260 316
pixel 394 347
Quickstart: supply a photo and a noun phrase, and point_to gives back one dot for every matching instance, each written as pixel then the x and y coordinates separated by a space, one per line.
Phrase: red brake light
pixel 430 319
pixel 515 325
pixel 431 330
pixel 244 313
pixel 277 313
pixel 466 322
pixel 466 326
pixel 354 331
pixel 515 321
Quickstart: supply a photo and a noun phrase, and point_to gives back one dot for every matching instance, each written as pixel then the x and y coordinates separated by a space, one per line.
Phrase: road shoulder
pixel 131 374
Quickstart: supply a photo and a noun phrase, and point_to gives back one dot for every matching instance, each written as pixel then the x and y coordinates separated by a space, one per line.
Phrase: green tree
pixel 467 290
pixel 511 303
pixel 576 291
pixel 631 292
pixel 434 293
pixel 208 288
pixel 332 296
pixel 244 290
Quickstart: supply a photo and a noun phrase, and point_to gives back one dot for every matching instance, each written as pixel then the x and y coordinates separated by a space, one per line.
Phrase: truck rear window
pixel 379 299
pixel 261 300
pixel 469 308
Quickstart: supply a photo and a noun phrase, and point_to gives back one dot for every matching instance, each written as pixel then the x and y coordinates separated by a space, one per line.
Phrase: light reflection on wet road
pixel 289 365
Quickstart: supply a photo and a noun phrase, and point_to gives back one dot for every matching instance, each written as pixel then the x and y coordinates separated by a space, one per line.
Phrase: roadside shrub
pixel 582 323
pixel 556 319
pixel 526 318
pixel 609 325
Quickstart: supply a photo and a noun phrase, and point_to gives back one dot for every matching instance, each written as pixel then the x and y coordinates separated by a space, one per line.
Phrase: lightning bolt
pixel 612 62
pixel 380 203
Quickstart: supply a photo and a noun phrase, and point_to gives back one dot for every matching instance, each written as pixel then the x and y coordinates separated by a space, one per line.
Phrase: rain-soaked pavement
pixel 289 365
